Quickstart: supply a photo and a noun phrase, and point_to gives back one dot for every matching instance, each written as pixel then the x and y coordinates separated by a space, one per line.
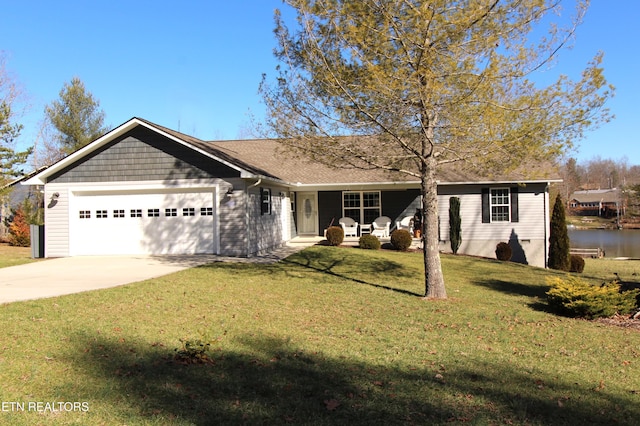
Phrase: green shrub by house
pixel 574 297
pixel 401 239
pixel 455 224
pixel 503 251
pixel 559 257
pixel 369 242
pixel 577 264
pixel 335 235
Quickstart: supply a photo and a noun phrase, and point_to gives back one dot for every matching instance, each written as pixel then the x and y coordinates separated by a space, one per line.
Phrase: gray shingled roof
pixel 596 196
pixel 268 158
pixel 271 156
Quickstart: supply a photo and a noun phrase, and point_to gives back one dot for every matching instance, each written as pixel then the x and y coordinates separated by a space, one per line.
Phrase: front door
pixel 307 207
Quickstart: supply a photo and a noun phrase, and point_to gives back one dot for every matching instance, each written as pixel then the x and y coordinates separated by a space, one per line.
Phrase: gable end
pixel 140 155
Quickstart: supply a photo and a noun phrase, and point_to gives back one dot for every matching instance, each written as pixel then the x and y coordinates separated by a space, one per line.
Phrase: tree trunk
pixel 434 280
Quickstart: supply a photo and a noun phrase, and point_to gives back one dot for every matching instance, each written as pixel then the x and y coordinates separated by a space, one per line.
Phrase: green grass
pixel 328 336
pixel 11 256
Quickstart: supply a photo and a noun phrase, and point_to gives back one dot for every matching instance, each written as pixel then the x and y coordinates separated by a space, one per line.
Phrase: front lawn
pixel 328 336
pixel 11 256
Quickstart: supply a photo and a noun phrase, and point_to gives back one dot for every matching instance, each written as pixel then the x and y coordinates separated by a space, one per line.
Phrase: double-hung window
pixel 499 205
pixel 361 206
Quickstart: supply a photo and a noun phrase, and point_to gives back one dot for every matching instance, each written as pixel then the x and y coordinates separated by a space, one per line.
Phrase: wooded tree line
pixel 597 173
pixel 601 173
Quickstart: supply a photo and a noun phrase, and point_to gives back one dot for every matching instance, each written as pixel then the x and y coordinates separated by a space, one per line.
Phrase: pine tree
pixel 559 257
pixel 76 117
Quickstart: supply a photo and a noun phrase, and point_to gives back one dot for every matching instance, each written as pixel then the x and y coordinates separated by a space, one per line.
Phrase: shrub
pixel 577 264
pixel 455 224
pixel 19 234
pixel 576 298
pixel 559 257
pixel 369 242
pixel 401 239
pixel 503 251
pixel 335 235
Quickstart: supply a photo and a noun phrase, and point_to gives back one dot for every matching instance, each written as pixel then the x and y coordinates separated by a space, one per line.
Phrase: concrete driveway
pixel 67 275
pixel 55 277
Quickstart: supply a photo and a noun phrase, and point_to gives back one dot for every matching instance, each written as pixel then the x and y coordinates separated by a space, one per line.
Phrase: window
pixel 101 214
pixel 153 212
pixel 363 207
pixel 118 213
pixel 188 211
pixel 136 213
pixel 85 214
pixel 171 212
pixel 499 205
pixel 206 211
pixel 265 201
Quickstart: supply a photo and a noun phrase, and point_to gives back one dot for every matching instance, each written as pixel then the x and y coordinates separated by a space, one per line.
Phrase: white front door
pixel 307 207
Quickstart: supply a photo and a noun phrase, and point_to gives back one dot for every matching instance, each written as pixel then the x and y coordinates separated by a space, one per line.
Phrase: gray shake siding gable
pixel 143 155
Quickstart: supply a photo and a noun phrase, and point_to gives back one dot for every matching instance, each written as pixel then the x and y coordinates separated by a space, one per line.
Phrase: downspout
pixel 546 225
pixel 258 182
pixel 248 214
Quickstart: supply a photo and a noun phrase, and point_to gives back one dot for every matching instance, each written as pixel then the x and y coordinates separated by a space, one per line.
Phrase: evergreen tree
pixel 455 224
pixel 559 257
pixel 9 159
pixel 76 116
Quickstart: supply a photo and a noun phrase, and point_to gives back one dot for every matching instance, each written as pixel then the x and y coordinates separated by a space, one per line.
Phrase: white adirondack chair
pixel 406 223
pixel 349 226
pixel 380 226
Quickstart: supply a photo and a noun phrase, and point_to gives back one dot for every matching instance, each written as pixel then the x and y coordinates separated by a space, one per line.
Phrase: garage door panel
pixel 161 223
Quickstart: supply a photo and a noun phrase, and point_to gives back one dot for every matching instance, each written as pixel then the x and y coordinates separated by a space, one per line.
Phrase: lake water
pixel 615 243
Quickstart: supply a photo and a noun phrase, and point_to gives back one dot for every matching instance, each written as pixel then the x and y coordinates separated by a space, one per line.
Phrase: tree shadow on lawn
pixel 269 381
pixel 510 287
pixel 328 261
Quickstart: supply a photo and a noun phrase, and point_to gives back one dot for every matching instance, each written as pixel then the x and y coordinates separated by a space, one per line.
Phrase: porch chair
pixel 349 226
pixel 380 226
pixel 406 223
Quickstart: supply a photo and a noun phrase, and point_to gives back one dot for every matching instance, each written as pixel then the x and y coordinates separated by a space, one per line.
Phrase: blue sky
pixel 195 66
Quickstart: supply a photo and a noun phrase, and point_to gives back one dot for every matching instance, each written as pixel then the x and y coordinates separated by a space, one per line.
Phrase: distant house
pixel 146 189
pixel 606 203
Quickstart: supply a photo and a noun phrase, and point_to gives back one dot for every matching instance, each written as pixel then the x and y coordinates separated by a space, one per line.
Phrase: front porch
pixel 311 240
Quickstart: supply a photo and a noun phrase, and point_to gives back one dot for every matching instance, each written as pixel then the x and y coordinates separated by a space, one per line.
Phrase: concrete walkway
pixel 67 275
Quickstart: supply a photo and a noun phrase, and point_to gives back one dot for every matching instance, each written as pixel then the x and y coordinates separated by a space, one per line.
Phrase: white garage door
pixel 158 223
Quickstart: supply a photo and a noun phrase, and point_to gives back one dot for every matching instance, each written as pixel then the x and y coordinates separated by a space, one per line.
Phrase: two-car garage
pixel 142 222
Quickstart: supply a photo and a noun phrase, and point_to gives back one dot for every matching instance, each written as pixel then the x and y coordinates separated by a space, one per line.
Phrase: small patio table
pixel 365 229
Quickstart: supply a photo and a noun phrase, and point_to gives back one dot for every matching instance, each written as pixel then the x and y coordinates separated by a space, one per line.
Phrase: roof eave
pixel 409 183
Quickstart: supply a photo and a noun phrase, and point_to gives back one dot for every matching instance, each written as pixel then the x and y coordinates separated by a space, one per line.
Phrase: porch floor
pixel 310 240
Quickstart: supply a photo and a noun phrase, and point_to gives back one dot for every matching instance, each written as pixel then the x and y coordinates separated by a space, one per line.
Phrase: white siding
pixel 480 239
pixel 56 219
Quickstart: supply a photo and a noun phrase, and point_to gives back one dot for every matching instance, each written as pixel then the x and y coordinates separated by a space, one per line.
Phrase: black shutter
pixel 486 212
pixel 514 204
